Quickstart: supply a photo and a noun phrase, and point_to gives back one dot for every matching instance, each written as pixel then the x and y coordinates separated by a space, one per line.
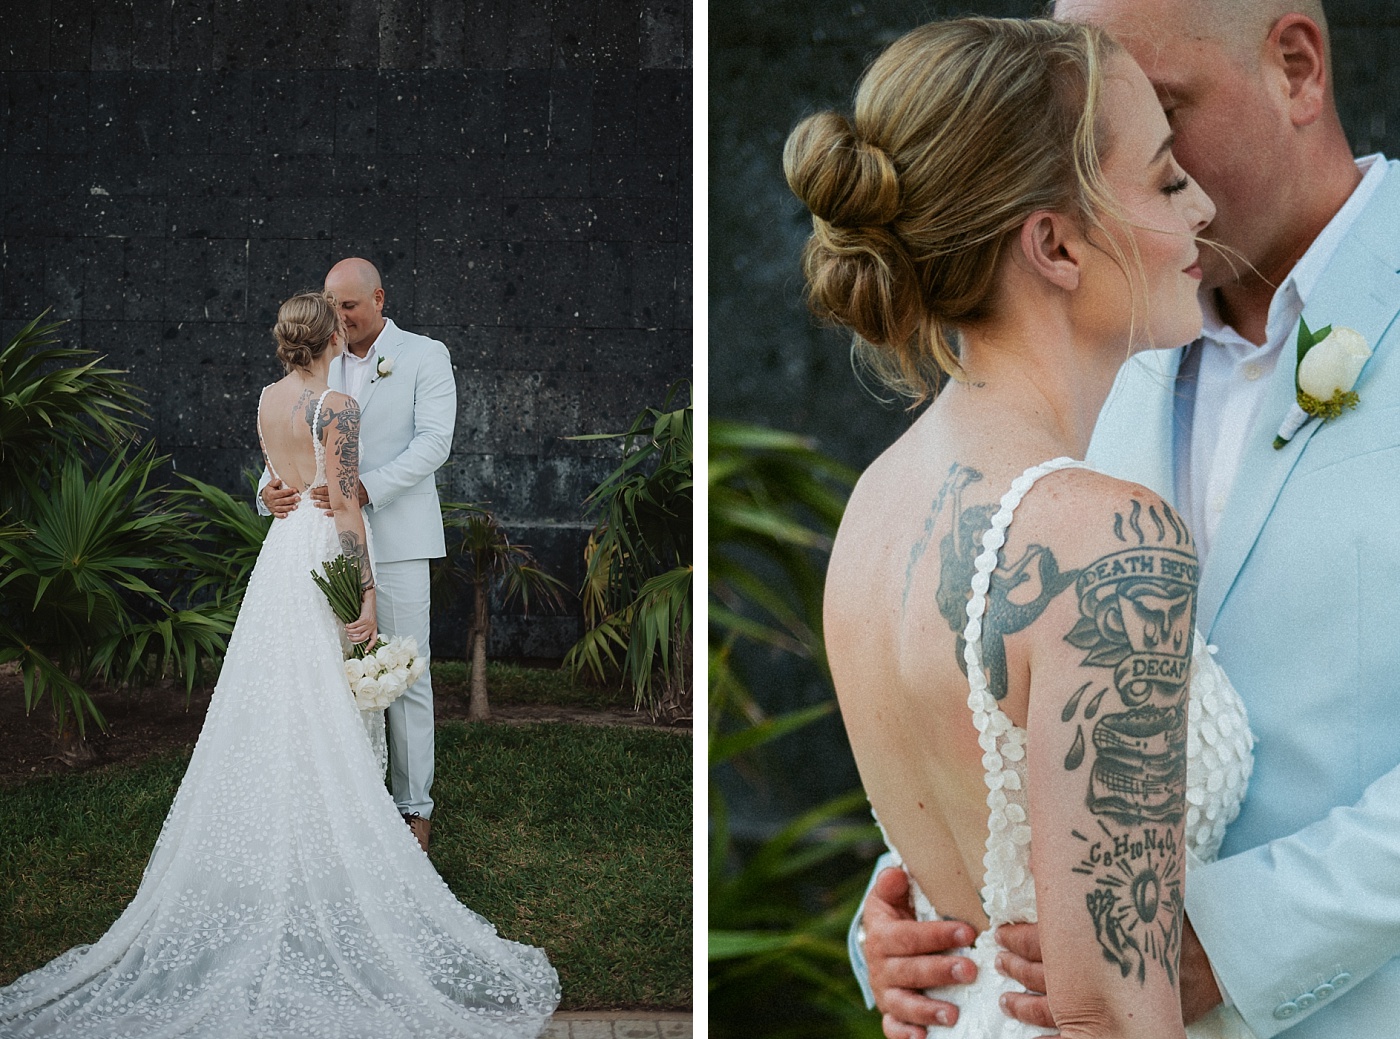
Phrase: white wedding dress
pixel 1219 760
pixel 285 896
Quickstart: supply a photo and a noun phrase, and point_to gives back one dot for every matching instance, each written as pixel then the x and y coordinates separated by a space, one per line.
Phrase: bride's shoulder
pixel 1088 515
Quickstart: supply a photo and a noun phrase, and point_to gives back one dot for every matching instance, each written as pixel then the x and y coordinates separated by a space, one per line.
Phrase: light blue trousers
pixel 402 609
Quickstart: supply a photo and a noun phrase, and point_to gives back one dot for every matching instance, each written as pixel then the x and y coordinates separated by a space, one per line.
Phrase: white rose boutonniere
pixel 384 366
pixel 1329 362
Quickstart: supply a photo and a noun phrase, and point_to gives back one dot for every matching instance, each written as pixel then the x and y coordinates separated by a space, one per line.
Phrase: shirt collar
pixel 1292 296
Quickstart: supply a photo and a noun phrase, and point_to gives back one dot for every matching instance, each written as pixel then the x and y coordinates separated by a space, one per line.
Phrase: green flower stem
pixel 341 587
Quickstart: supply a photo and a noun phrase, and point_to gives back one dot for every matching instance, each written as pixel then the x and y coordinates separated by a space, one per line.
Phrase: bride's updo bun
pixel 305 325
pixel 962 129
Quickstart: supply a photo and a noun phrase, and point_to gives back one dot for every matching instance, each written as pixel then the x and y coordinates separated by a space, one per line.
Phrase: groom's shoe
pixel 422 828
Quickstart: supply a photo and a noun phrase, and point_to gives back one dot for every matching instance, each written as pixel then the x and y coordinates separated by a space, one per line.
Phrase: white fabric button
pixel 1253 370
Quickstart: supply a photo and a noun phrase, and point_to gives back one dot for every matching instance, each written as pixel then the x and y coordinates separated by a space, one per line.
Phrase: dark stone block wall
pixel 771 63
pixel 519 172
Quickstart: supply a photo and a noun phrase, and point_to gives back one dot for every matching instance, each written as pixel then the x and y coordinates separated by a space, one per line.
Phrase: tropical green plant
pixel 53 399
pixel 779 906
pixel 640 562
pixel 81 593
pixel 225 535
pixel 482 559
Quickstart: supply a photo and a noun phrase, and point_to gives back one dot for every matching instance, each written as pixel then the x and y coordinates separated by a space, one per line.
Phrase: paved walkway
pixel 618 1024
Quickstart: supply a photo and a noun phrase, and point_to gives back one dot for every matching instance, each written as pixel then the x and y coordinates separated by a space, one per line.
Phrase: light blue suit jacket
pixel 1301 592
pixel 406 424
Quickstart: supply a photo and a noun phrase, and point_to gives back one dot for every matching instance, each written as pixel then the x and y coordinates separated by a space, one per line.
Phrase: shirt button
pixel 1253 370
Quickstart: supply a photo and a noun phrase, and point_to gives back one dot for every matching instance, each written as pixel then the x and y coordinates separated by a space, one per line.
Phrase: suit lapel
pixel 335 378
pixel 1359 289
pixel 1133 438
pixel 387 345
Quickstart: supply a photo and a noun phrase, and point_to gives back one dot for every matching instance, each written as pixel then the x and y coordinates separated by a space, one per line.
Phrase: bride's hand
pixel 364 628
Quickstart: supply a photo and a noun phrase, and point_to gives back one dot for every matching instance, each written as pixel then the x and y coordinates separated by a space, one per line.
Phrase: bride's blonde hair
pixel 961 130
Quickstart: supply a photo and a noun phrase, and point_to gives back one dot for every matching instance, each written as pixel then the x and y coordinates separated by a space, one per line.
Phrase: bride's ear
pixel 1052 247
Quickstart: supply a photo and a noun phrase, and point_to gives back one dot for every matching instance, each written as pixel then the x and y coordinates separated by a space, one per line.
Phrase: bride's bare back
pixel 285 416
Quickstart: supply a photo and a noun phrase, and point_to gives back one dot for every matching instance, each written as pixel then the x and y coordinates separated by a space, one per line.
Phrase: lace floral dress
pixel 1219 760
pixel 285 897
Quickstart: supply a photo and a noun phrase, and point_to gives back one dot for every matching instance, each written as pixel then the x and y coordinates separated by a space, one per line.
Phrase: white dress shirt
pixel 358 371
pixel 1232 374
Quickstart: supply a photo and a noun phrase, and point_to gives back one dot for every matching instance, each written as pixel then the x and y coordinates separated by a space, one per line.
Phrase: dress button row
pixel 1309 999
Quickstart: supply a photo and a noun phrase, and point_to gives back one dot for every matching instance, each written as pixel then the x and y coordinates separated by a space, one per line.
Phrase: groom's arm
pixel 1295 923
pixel 434 418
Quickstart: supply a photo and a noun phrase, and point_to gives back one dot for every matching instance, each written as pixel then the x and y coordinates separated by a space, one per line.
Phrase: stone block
pixel 68 112
pixel 474 173
pixel 400 34
pixel 460 219
pixel 112 34
pixel 26 112
pixel 543 283
pixel 444 34
pixel 486 33
pixel 665 36
pixel 400 129
pixel 663 111
pixel 151 34
pixel 208 218
pixel 292 112
pixel 545 175
pixel 527 101
pixel 206 280
pixel 528 41
pixel 635 176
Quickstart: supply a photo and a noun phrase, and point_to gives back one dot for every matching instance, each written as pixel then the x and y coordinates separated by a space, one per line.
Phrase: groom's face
pixel 1228 132
pixel 361 312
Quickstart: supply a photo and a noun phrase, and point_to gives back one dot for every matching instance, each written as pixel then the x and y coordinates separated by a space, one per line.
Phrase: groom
pixel 1298 923
pixel 408 408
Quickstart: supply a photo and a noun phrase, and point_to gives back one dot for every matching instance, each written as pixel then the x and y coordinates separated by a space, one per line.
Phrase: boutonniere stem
pixel 1329 362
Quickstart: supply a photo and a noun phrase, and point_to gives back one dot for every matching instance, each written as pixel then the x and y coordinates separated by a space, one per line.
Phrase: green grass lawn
pixel 573 838
pixel 517 684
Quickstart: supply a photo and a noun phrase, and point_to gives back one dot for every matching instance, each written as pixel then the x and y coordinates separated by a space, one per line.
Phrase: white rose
pixel 1332 366
pixel 385 366
pixel 410 644
pixel 416 669
pixel 390 686
pixel 354 669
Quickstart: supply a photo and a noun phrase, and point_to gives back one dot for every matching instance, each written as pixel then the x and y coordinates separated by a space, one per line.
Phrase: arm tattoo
pixel 1137 610
pixel 346 445
pixel 1018 594
pixel 352 546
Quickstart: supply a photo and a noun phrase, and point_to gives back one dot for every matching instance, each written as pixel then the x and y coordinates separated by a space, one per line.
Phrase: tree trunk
pixel 478 709
pixel 73 748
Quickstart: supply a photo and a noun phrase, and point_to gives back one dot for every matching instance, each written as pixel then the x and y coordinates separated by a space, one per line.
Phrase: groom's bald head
pixel 355 284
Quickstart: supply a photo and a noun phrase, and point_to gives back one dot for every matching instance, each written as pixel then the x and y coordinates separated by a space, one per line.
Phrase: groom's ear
pixel 1051 246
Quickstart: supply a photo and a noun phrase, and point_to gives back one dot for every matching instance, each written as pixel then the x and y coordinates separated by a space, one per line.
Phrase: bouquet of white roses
pixel 380 677
pixel 377 674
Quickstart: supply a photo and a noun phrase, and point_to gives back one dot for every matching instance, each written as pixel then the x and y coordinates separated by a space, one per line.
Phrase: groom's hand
pixel 279 498
pixel 1199 992
pixel 1021 960
pixel 905 955
pixel 321 498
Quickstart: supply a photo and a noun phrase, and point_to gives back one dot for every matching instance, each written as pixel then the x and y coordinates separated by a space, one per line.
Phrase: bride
pixel 285 897
pixel 1011 633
